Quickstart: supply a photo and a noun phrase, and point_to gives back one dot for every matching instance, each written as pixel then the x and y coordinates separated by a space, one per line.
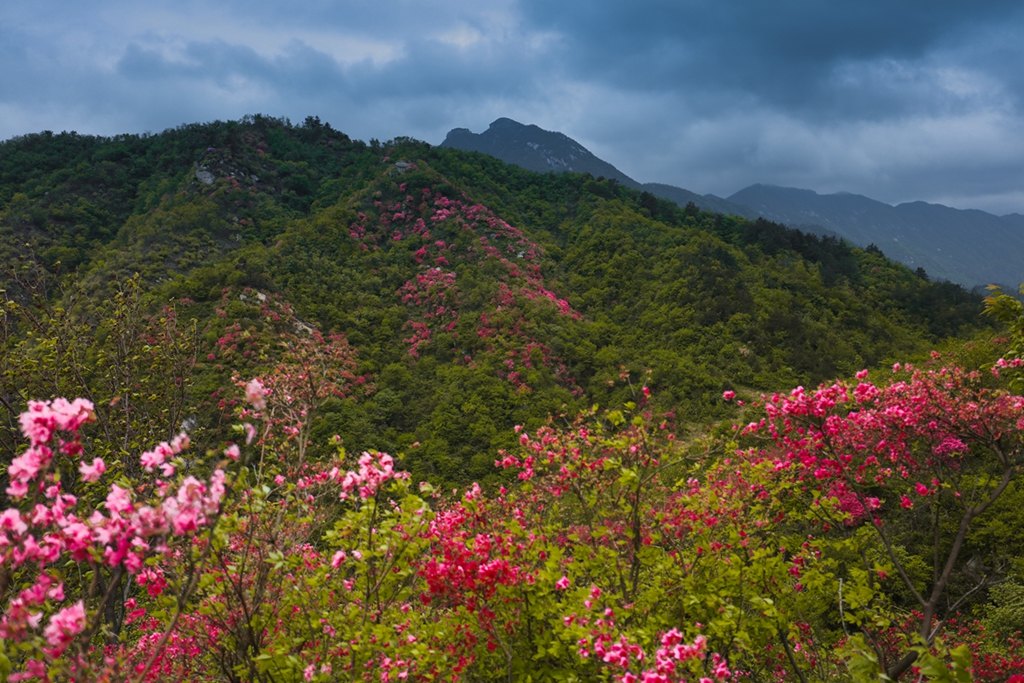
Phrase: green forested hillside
pixel 249 318
pixel 474 295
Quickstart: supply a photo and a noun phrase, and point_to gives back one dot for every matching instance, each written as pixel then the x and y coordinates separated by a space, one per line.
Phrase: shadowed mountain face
pixel 969 247
pixel 534 149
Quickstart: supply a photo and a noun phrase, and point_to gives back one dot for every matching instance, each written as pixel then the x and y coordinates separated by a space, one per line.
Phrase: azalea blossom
pixel 63 627
pixel 255 394
pixel 92 471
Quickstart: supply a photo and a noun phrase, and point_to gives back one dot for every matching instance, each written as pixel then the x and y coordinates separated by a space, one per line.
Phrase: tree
pixel 919 461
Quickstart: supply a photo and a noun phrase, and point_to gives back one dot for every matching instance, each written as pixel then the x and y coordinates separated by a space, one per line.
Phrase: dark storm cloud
pixel 900 100
pixel 297 70
pixel 376 64
pixel 785 53
pixel 432 69
pixel 427 73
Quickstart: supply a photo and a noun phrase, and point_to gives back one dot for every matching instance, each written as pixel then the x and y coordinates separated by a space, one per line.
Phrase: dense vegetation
pixel 476 295
pixel 243 308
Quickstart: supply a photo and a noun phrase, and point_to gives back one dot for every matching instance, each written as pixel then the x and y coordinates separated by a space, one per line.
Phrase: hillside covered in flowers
pixel 278 405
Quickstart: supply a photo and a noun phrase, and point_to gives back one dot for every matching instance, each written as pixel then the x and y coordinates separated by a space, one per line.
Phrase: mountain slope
pixel 949 244
pixel 475 295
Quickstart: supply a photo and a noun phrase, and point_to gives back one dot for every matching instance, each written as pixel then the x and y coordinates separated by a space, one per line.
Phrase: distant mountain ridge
pixel 536 149
pixel 970 247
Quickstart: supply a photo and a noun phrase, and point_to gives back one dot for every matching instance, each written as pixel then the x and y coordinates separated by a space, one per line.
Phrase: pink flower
pixel 563 583
pixel 63 627
pixel 10 520
pixel 118 500
pixel 473 493
pixel 26 466
pixel 92 472
pixel 721 670
pixel 70 415
pixel 17 489
pixel 180 442
pixel 255 394
pixel 36 424
pixel 232 452
pixel 728 395
pixel 152 459
pixel 42 419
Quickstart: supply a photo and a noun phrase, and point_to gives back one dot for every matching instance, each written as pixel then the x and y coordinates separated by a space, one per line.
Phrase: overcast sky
pixel 899 100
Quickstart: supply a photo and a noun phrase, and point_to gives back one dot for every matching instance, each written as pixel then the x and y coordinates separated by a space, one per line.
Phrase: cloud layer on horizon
pixel 904 101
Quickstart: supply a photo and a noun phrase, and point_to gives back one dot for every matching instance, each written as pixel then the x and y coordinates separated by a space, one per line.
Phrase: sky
pixel 898 100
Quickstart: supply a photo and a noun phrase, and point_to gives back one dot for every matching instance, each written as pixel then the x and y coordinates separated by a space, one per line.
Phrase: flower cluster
pixel 55 527
pixel 621 554
pixel 375 469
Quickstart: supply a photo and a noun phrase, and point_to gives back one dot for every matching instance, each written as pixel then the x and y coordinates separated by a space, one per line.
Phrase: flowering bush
pixel 931 450
pixel 66 563
pixel 622 552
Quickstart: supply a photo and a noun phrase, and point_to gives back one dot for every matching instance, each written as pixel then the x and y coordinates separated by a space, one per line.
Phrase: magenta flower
pixel 92 472
pixel 118 500
pixel 10 520
pixel 63 627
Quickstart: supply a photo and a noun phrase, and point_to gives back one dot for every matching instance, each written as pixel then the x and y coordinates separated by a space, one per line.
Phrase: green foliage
pixel 1005 615
pixel 136 366
pixel 689 302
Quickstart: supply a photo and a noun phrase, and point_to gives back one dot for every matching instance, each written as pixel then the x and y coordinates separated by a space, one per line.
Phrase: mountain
pixel 952 244
pixel 946 243
pixel 466 295
pixel 536 149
